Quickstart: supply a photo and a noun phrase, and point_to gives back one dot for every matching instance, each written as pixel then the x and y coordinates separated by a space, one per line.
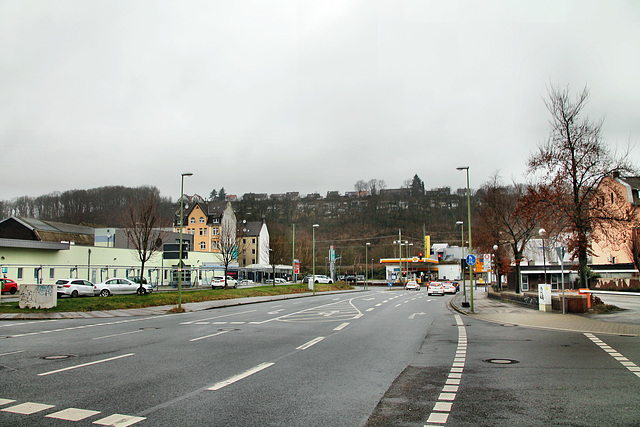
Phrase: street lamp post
pixel 366 267
pixel 469 222
pixel 542 232
pixel 464 285
pixel 408 255
pixel 495 264
pixel 313 278
pixel 181 226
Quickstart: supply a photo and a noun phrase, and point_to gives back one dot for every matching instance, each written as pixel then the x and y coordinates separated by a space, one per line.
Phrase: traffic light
pixel 439 256
pixel 420 256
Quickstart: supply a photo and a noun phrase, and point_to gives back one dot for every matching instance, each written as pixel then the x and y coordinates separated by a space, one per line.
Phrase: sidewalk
pixel 515 314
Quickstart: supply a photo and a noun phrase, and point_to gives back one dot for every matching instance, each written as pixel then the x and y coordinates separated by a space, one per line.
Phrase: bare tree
pixel 505 220
pixel 228 244
pixel 144 229
pixel 571 166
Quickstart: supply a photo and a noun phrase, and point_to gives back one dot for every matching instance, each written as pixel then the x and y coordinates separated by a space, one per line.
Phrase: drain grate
pixel 501 361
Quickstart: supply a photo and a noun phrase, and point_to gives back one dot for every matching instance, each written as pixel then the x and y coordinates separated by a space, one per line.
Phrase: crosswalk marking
pixel 73 414
pixel 119 420
pixel 27 408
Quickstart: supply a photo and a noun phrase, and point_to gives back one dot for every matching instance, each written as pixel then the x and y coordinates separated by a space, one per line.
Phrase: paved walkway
pixel 515 314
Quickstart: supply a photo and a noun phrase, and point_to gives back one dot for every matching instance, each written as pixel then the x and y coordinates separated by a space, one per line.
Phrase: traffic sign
pixel 471 260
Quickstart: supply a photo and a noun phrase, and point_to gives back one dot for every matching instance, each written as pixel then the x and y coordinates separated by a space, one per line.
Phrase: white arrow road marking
pixel 416 314
pixel 236 378
pixel 85 364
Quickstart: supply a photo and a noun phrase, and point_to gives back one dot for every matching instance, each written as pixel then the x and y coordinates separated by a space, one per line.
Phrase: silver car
pixel 74 288
pixel 121 286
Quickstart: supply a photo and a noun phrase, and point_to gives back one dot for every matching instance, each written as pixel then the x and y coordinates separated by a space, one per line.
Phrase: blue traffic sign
pixel 471 260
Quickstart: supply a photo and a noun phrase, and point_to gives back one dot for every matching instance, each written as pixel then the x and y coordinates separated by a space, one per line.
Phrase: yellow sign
pixel 427 246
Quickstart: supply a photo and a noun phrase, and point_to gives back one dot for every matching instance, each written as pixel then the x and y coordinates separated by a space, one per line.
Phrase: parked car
pixel 449 288
pixel 136 279
pixel 9 285
pixel 319 278
pixel 74 288
pixel 412 285
pixel 435 288
pixel 218 282
pixel 121 286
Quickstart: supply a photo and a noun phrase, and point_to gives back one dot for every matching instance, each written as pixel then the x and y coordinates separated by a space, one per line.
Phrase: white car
pixel 319 278
pixel 121 286
pixel 218 282
pixel 74 288
pixel 412 285
pixel 450 288
pixel 435 288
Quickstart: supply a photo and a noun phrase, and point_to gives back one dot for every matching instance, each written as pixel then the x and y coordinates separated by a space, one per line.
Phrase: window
pixel 215 231
pixel 216 220
pixel 554 282
pixel 253 241
pixel 203 245
pixel 244 241
pixel 19 272
pixel 52 273
pixel 192 220
pixel 201 220
pixel 205 231
pixel 35 273
pixel 201 232
pixel 525 282
pixel 253 252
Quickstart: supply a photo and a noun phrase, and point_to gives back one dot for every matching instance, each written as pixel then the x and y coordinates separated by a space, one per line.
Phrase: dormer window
pixel 192 220
pixel 201 220
pixel 216 220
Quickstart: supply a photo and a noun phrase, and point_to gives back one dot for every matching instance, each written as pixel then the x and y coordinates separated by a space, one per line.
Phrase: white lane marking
pixel 341 327
pixel 613 353
pixel 413 316
pixel 236 378
pixel 208 336
pixel 216 317
pixel 370 309
pixel 276 311
pixel 6 401
pixel 442 408
pixel 27 408
pixel 310 343
pixel 85 364
pixel 118 322
pixel 14 324
pixel 73 414
pixel 11 352
pixel 119 420
pixel 116 335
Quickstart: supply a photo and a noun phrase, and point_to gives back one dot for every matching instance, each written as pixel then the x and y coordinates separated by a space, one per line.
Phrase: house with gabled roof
pixel 253 243
pixel 205 222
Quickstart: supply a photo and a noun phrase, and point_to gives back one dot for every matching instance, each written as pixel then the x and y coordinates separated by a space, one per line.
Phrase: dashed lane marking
pixel 236 378
pixel 341 327
pixel 85 364
pixel 27 408
pixel 310 343
pixel 208 336
pixel 440 414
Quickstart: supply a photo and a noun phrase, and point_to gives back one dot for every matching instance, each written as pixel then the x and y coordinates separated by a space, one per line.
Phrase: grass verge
pixel 123 302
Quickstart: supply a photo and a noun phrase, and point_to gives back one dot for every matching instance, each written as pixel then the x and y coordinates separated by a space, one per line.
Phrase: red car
pixel 9 285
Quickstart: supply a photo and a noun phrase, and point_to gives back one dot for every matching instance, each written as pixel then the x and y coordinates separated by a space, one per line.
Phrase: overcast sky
pixel 309 96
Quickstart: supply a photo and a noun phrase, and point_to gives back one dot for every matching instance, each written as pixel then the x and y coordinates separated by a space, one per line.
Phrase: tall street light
pixel 469 222
pixel 464 286
pixel 313 233
pixel 543 233
pixel 181 226
pixel 366 267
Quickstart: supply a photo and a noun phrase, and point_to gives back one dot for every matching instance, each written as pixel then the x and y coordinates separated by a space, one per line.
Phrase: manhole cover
pixel 501 361
pixel 57 357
